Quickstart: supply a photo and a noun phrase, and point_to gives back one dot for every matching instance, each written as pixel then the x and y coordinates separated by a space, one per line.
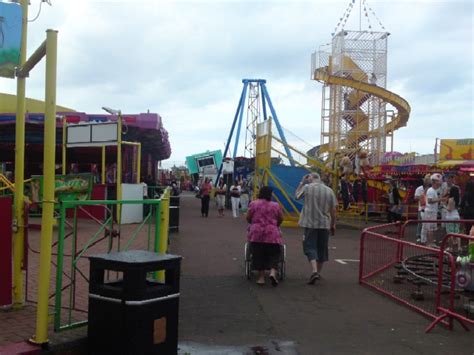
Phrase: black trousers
pixel 205 205
pixel 265 255
pixel 393 217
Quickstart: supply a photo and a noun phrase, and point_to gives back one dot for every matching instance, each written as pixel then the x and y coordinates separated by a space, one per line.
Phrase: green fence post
pixel 59 268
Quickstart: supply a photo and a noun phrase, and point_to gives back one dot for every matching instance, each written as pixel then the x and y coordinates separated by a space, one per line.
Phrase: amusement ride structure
pixel 355 114
pixel 358 118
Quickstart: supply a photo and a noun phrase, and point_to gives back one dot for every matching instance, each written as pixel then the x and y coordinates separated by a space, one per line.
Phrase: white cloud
pixel 185 60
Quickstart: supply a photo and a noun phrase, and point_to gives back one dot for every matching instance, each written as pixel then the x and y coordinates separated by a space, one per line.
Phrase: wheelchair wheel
pixel 248 271
pixel 282 263
pixel 281 270
pixel 247 261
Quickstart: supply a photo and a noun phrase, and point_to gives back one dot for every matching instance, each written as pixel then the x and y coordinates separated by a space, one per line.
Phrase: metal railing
pixel 420 277
pixel 79 238
pixel 448 309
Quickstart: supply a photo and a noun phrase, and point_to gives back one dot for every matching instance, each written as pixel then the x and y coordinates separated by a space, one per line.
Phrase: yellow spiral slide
pixel 357 79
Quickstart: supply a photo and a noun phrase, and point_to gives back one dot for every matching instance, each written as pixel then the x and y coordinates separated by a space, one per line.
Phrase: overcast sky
pixel 185 61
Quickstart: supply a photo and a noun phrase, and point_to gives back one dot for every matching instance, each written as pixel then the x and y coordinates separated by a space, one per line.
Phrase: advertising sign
pixel 10 38
pixel 88 134
pixel 195 163
pixel 67 187
pixel 456 149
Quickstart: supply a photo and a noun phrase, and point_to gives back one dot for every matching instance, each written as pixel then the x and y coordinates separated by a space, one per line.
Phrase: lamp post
pixel 118 113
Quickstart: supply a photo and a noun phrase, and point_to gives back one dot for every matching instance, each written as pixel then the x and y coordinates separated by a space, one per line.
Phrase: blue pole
pixel 264 105
pixel 242 102
pixel 280 130
pixel 239 106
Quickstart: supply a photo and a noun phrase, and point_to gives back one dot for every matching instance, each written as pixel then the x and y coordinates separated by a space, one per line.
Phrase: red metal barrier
pixel 6 207
pixel 451 312
pixel 419 277
pixel 404 225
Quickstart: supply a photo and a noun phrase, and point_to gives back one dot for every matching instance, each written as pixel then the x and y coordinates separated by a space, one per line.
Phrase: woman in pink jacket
pixel 264 234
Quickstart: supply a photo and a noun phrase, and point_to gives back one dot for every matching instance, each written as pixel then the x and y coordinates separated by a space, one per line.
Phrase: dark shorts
pixel 315 244
pixel 265 256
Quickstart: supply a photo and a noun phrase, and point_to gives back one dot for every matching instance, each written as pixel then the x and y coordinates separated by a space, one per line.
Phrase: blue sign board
pixel 10 38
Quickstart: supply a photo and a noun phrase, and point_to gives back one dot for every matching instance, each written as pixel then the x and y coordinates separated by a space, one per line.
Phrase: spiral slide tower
pixel 358 112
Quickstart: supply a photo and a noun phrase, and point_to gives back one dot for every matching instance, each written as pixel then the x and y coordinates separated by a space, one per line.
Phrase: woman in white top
pixel 235 198
pixel 452 214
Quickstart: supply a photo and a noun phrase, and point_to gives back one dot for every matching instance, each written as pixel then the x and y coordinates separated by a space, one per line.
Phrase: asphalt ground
pixel 221 309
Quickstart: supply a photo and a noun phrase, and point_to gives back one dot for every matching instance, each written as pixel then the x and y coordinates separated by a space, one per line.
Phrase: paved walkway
pixel 221 312
pixel 219 306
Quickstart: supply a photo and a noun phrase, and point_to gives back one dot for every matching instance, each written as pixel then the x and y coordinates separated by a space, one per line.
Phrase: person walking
pixel 221 191
pixel 205 191
pixel 345 193
pixel 318 218
pixel 467 205
pixel 445 190
pixel 452 214
pixel 420 197
pixel 394 201
pixel 431 210
pixel 244 196
pixel 235 198
pixel 265 217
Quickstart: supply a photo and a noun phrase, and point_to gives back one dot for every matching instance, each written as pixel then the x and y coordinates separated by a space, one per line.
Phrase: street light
pixel 119 157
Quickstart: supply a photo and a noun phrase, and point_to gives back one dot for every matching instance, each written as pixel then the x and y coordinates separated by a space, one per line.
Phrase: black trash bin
pixel 135 314
pixel 174 214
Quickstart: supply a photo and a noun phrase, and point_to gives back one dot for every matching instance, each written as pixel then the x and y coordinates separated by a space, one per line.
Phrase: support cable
pixel 367 9
pixel 344 17
pixel 366 5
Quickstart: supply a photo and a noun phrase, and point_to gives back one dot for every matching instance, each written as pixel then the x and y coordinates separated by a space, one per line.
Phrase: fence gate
pixel 79 238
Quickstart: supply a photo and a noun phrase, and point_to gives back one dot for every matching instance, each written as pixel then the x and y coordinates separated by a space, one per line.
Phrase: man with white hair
pixel 431 209
pixel 420 197
pixel 318 218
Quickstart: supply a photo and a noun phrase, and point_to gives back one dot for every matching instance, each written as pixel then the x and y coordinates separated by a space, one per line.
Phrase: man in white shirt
pixel 420 196
pixel 431 209
pixel 235 197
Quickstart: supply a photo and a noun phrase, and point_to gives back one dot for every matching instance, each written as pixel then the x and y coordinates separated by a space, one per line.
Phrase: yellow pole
pixel 119 165
pixel 103 164
pixel 19 236
pixel 64 147
pixel 139 161
pixel 164 227
pixel 47 217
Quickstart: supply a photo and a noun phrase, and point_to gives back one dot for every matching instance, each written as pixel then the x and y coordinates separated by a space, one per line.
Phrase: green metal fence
pixel 93 236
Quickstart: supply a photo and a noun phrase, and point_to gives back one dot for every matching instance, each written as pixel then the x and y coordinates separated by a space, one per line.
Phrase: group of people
pixel 239 194
pixel 352 192
pixel 318 220
pixel 438 199
pixel 318 217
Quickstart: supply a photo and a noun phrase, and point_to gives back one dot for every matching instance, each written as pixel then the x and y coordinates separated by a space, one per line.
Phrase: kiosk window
pixel 205 162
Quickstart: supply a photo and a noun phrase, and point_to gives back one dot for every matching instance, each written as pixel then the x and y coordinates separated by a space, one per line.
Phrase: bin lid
pixel 134 257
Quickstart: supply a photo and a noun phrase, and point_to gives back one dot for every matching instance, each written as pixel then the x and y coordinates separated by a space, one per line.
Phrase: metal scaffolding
pixel 353 119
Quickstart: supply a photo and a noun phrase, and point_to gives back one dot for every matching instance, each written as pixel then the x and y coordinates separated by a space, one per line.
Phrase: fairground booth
pixel 89 152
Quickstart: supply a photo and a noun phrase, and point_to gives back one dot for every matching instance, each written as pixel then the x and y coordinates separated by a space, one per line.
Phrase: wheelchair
pixel 281 269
